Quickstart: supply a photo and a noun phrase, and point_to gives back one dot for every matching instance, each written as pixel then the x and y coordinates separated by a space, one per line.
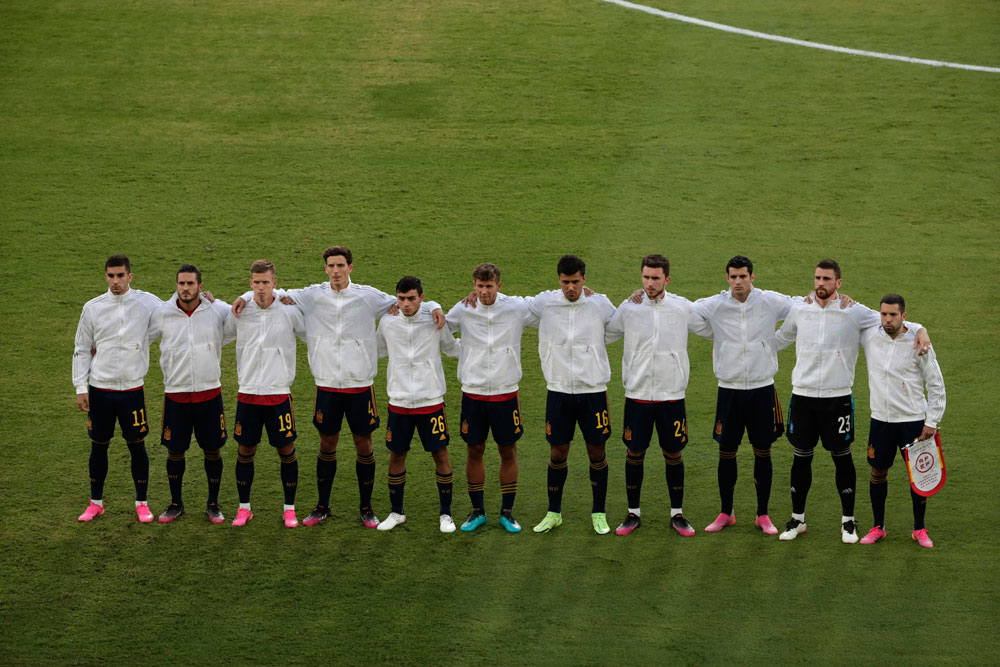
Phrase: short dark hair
pixel 190 268
pixel 338 250
pixel 262 266
pixel 829 264
pixel 570 264
pixel 740 262
pixel 407 283
pixel 486 272
pixel 657 262
pixel 895 299
pixel 118 260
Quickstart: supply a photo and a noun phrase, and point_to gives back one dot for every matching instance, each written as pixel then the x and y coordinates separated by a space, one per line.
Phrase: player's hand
pixel 927 432
pixel 846 301
pixel 287 300
pixel 470 301
pixel 83 402
pixel 238 306
pixel 438 316
pixel 93 351
pixel 393 309
pixel 588 292
pixel 809 298
pixel 208 295
pixel 636 296
pixel 922 342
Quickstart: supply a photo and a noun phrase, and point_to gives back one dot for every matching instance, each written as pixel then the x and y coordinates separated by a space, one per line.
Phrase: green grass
pixel 429 137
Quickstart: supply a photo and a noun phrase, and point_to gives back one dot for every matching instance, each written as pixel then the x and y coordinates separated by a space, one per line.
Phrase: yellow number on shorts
pixel 517 418
pixel 437 424
pixel 602 419
pixel 139 417
pixel 680 428
pixel 222 421
pixel 285 422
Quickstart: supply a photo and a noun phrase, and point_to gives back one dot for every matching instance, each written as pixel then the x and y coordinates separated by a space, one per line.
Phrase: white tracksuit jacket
pixel 415 376
pixel 655 364
pixel 118 328
pixel 265 347
pixel 826 346
pixel 490 359
pixel 571 341
pixel 897 375
pixel 190 347
pixel 744 353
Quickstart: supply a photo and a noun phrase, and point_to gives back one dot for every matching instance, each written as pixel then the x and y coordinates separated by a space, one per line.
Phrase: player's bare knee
pixel 508 453
pixel 246 450
pixel 442 463
pixel 595 451
pixel 328 443
pixel 476 451
pixel 287 449
pixel 559 452
pixel 363 444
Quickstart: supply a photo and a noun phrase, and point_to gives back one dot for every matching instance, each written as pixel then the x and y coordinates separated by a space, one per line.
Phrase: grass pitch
pixel 429 137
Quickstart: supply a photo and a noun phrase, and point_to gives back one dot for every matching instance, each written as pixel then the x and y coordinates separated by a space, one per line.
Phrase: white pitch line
pixel 797 42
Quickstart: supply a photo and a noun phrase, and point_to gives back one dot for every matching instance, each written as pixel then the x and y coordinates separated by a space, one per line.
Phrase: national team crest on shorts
pixel 319 416
pixel 388 435
pixel 871 452
pixel 239 428
pixel 718 427
pixel 548 428
pixel 465 427
pixel 628 434
pixel 166 433
pixel 90 425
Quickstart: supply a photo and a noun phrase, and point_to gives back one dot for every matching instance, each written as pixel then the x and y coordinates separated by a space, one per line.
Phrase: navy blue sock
pixel 140 469
pixel 98 469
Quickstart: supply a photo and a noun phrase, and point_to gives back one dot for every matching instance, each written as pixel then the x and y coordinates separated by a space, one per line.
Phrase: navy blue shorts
pixel 360 408
pixel 757 411
pixel 503 417
pixel 669 417
pixel 432 429
pixel 564 411
pixel 128 408
pixel 885 438
pixel 252 419
pixel 828 419
pixel 206 419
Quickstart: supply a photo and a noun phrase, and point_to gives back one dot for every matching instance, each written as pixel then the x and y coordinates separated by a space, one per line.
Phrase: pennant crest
pixel 925 465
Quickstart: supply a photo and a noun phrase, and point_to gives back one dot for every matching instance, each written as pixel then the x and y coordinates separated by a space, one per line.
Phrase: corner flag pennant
pixel 925 465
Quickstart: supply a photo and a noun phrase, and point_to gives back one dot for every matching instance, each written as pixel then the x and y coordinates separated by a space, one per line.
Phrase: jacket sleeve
pixel 297 321
pixel 229 329
pixel 83 343
pixel 454 317
pixel 449 344
pixel 528 312
pixel 381 345
pixel 931 372
pixel 615 328
pixel 698 324
pixel 152 304
pixel 785 336
pixel 380 301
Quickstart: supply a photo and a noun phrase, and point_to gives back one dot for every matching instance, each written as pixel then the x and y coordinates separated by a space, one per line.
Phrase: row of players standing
pixel 338 321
